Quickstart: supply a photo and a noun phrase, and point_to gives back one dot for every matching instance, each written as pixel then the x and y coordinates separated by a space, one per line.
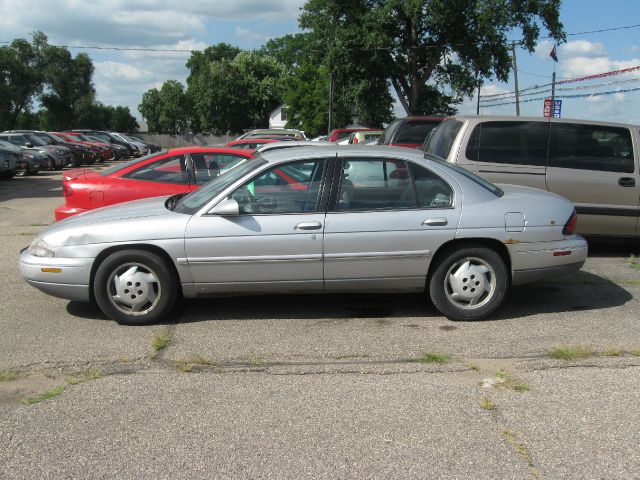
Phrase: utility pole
pixel 330 103
pixel 478 104
pixel 515 76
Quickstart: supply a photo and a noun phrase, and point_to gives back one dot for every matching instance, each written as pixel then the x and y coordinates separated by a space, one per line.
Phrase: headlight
pixel 39 248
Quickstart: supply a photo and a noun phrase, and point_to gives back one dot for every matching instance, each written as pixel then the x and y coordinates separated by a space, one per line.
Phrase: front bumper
pixel 71 282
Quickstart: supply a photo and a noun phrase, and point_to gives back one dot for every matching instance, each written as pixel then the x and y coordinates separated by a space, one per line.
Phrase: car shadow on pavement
pixel 45 184
pixel 579 292
pixel 613 247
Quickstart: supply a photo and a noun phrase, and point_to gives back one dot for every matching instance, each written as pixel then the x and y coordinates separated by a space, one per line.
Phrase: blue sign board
pixel 557 108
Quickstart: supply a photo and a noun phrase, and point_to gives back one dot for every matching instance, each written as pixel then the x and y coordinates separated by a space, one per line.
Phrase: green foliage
pixel 230 94
pixel 420 45
pixel 166 110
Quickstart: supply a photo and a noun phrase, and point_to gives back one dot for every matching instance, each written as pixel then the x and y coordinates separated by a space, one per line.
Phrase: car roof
pixel 332 150
pixel 511 118
pixel 204 149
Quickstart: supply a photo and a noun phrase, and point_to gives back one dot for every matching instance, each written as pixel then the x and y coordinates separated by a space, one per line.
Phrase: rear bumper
pixel 63 212
pixel 535 261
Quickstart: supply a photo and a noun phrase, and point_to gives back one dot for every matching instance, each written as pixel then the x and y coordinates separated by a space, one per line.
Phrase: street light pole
pixel 515 76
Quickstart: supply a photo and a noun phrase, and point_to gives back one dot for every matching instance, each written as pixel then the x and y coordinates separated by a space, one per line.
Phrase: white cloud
pixel 244 33
pixel 582 49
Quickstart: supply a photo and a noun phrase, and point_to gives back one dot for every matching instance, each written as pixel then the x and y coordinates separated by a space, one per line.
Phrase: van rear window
pixel 440 139
pixel 415 131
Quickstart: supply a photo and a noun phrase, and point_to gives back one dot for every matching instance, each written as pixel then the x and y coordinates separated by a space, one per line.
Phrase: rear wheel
pixel 469 283
pixel 135 287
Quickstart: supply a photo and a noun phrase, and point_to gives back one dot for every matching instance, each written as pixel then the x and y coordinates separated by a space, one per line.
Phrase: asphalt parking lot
pixel 341 386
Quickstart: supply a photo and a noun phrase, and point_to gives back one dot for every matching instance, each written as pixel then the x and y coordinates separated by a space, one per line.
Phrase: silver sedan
pixel 322 219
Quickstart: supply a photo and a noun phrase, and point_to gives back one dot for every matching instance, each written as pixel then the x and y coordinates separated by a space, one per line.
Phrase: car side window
pixel 431 190
pixel 287 188
pixel 373 184
pixel 167 170
pixel 516 143
pixel 591 147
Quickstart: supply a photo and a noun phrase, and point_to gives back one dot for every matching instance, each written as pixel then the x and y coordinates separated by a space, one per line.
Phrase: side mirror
pixel 227 207
pixel 28 144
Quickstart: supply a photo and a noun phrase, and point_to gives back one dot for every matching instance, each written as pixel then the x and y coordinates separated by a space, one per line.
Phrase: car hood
pixel 136 221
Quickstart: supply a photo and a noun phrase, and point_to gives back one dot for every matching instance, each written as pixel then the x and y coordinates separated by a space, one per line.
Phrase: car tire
pixel 469 283
pixel 135 287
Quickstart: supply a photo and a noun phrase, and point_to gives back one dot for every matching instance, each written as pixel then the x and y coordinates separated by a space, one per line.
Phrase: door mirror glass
pixel 227 207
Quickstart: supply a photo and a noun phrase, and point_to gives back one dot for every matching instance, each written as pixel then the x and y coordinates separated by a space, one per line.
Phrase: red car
pixel 96 152
pixel 106 151
pixel 179 170
pixel 250 143
pixel 409 131
pixel 338 134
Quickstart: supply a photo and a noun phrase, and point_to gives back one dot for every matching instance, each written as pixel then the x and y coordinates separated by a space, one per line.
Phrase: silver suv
pixel 593 164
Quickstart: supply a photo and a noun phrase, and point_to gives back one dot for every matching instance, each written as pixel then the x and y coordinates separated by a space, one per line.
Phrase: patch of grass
pixel 161 341
pixel 568 352
pixel 91 374
pixel 8 376
pixel 510 383
pixel 473 366
pixel 45 395
pixel 487 404
pixel 432 358
pixel 186 364
pixel 635 352
pixel 634 262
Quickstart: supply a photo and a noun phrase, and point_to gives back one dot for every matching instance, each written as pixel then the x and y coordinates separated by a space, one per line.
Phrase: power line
pixel 581 95
pixel 186 50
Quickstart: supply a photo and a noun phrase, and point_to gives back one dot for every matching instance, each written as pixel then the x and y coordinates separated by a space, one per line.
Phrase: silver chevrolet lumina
pixel 322 219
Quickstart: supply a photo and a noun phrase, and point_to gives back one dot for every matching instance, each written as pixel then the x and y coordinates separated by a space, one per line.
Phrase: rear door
pixel 387 219
pixel 595 166
pixel 512 152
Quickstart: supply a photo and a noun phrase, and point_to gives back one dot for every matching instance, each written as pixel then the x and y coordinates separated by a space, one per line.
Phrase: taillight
pixel 570 226
pixel 67 191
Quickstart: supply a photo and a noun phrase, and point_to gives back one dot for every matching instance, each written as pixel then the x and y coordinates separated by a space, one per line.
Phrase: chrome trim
pixel 252 259
pixel 378 255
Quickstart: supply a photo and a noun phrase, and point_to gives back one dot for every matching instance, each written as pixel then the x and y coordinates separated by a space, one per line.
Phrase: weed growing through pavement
pixel 568 352
pixel 186 364
pixel 634 262
pixel 256 362
pixel 161 340
pixel 510 383
pixel 91 374
pixel 8 376
pixel 432 358
pixel 487 404
pixel 521 449
pixel 613 352
pixel 45 395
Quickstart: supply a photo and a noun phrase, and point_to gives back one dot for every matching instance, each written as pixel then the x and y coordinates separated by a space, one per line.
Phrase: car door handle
pixel 435 222
pixel 627 182
pixel 309 226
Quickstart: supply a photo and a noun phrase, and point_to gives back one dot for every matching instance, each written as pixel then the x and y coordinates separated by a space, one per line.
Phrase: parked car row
pixel 26 152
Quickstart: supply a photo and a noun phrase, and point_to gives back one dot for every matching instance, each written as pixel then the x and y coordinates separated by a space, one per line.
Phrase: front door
pixel 273 245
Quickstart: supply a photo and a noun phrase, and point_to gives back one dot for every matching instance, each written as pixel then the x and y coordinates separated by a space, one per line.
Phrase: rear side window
pixel 167 170
pixel 591 147
pixel 415 131
pixel 517 143
pixel 441 138
pixel 388 133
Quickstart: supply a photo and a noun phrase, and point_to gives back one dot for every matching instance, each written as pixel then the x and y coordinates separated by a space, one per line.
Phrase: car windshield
pixel 497 191
pixel 197 199
pixel 9 146
pixel 83 137
pixel 56 137
pixel 122 166
pixel 35 139
pixel 124 137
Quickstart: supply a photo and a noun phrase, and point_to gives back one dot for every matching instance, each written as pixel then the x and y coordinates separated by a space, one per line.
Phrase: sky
pixel 121 77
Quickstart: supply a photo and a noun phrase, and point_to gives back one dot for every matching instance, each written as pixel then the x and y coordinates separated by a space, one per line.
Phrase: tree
pixel 68 82
pixel 166 110
pixel 21 77
pixel 361 91
pixel 230 90
pixel 425 47
pixel 122 120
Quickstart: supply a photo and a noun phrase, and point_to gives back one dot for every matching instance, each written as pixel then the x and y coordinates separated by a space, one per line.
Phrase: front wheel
pixel 469 283
pixel 135 287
